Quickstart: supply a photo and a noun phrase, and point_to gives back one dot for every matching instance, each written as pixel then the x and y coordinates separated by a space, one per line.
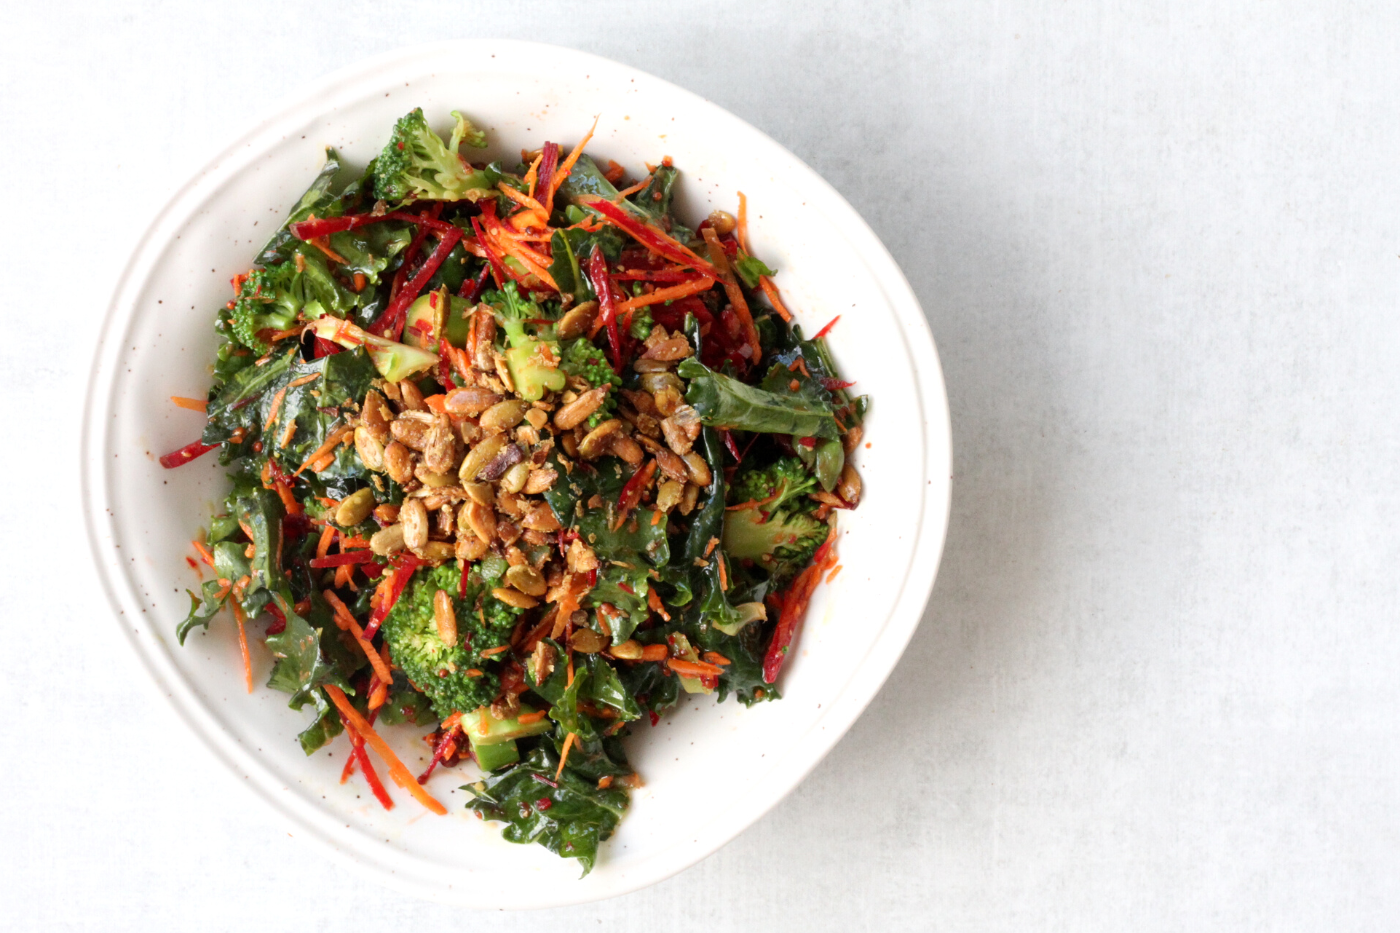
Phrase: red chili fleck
pixel 827 329
pixel 543 804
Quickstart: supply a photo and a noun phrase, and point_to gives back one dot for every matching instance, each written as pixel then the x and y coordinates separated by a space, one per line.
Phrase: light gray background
pixel 1156 686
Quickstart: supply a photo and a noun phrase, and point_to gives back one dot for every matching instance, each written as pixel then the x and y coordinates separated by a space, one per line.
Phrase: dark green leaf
pixel 723 401
pixel 202 608
pixel 750 268
pixel 569 816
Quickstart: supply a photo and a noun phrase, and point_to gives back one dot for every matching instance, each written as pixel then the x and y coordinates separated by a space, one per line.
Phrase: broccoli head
pixel 583 359
pixel 780 534
pixel 441 671
pixel 785 478
pixel 417 164
pixel 266 301
pixel 533 360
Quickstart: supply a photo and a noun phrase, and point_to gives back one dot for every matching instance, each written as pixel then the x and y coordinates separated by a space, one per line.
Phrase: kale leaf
pixel 569 816
pixel 726 402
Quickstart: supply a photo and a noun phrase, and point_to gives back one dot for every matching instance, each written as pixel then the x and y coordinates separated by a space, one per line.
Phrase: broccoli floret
pixel 785 478
pixel 780 535
pixel 642 323
pixel 782 545
pixel 266 300
pixel 583 359
pixel 417 164
pixel 533 362
pixel 438 670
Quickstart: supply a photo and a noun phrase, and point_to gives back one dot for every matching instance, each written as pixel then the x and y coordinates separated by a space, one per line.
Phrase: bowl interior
pixel 709 770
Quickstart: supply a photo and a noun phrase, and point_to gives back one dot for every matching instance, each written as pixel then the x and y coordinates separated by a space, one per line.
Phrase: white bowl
pixel 710 770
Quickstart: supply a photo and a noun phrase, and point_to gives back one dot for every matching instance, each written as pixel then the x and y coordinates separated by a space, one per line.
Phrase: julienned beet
pixel 518 457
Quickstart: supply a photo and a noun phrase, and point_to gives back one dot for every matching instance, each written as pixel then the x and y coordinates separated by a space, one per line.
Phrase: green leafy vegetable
pixel 569 816
pixel 724 401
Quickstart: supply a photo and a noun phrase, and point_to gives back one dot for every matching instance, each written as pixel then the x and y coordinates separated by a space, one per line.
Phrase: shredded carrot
pixel 346 622
pixel 771 291
pixel 379 694
pixel 605 782
pixel 437 403
pixel 303 380
pixel 353 543
pixel 287 434
pixel 342 575
pixel 204 553
pixel 272 412
pixel 731 287
pixel 655 604
pixel 360 281
pixel 326 449
pixel 723 574
pixel 631 190
pixel 243 642
pixel 564 755
pixel 521 198
pixel 323 546
pixel 193 404
pixel 397 771
pixel 656 517
pixel 693 668
pixel 324 245
pixel 834 571
pixel 654 653
pixel 497 650
pixel 670 293
pixel 472 672
pixel 531 176
pixel 714 657
pixel 527 718
pixel 710 547
pixel 567 166
pixel 741 228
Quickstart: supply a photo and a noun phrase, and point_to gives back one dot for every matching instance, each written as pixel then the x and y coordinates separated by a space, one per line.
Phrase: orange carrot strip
pixel 287 433
pixel 347 623
pixel 379 694
pixel 714 657
pixel 397 771
pixel 437 403
pixel 323 546
pixel 631 190
pixel 243 643
pixel 567 166
pixel 564 755
pixel 193 404
pixel 303 380
pixel 324 245
pixel 654 603
pixel 741 229
pixel 272 412
pixel 527 718
pixel 731 288
pixel 654 653
pixel 670 293
pixel 497 650
pixel 328 447
pixel 834 571
pixel 771 291
pixel 521 198
pixel 693 668
pixel 531 175
pixel 204 553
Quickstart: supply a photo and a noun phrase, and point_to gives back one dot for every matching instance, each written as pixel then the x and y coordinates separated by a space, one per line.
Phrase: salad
pixel 517 459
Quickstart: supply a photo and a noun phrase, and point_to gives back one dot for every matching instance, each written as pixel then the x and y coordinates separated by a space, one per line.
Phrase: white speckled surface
pixel 1157 684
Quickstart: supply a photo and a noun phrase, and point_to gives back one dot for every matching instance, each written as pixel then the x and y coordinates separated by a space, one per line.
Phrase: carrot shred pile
pixel 397 771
